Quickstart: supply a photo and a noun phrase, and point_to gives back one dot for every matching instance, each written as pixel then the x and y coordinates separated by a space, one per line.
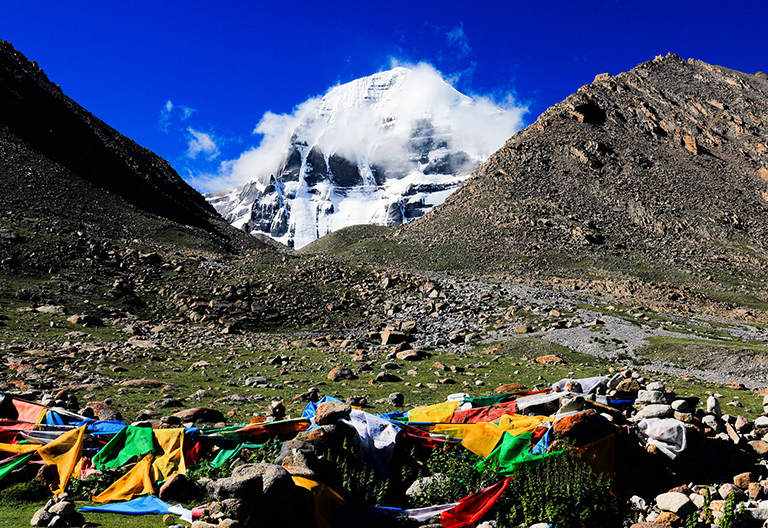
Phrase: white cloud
pixel 186 112
pixel 201 143
pixel 476 124
pixel 165 115
pixel 170 113
pixel 457 37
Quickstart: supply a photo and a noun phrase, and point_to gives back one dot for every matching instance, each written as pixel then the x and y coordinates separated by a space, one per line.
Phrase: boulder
pixel 396 399
pixel 331 412
pixel 323 436
pixel 341 374
pixel 239 510
pixel 711 421
pixel 200 414
pixel 177 489
pixel 677 503
pixel 63 508
pixel 713 406
pixel 393 337
pixel 760 447
pixel 509 387
pixel 742 480
pixel 650 397
pixel 41 518
pixel 728 488
pixel 104 411
pixel 576 424
pixel 387 377
pixel 657 410
pixel 628 386
pixel 51 309
pixel 411 355
pixel 85 320
pixel 550 359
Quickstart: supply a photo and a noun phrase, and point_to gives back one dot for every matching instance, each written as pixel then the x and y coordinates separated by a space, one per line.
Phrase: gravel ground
pixel 617 338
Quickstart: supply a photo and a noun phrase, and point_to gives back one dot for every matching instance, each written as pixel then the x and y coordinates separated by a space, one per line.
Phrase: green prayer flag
pixel 513 452
pixel 13 464
pixel 129 442
pixel 484 401
pixel 223 456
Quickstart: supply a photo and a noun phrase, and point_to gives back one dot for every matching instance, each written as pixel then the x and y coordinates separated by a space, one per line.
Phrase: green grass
pixel 704 354
pixel 17 515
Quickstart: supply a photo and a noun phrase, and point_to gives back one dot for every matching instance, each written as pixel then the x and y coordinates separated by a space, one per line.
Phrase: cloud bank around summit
pixel 477 124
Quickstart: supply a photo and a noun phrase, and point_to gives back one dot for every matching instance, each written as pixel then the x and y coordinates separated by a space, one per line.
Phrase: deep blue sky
pixel 223 64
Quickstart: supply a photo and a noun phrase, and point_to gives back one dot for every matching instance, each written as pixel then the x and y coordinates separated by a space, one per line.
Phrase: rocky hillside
pixel 68 171
pixel 659 173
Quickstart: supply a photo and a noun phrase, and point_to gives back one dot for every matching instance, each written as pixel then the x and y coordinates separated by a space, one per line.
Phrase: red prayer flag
pixel 472 508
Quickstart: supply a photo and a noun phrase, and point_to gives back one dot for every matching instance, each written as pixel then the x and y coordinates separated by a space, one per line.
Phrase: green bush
pixel 353 478
pixel 455 477
pixel 731 515
pixel 29 491
pixel 560 491
pixel 85 489
pixel 563 492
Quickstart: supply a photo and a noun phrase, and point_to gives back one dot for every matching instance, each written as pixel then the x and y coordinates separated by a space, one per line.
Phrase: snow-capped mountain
pixel 382 149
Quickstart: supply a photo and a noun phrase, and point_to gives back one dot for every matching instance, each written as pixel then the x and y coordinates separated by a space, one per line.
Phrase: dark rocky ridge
pixel 59 161
pixel 664 164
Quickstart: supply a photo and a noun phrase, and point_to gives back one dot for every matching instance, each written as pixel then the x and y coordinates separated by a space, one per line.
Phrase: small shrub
pixel 30 491
pixel 731 515
pixel 267 453
pixel 560 491
pixel 455 477
pixel 353 478
pixel 85 489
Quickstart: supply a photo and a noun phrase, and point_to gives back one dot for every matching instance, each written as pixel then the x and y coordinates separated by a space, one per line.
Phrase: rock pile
pixel 58 512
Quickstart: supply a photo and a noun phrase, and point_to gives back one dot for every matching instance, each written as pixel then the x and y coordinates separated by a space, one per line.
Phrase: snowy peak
pixel 383 149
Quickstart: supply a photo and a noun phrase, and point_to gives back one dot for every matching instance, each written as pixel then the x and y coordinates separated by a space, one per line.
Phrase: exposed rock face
pixel 59 161
pixel 666 163
pixel 329 179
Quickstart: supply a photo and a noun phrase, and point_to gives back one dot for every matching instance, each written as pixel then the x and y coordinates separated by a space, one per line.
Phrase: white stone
pixel 637 503
pixel 711 421
pixel 677 503
pixel 650 396
pixel 713 406
pixel 653 411
pixel 697 499
pixel 755 514
pixel 655 386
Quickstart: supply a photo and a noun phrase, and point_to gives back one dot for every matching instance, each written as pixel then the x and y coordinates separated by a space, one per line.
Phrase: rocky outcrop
pixel 670 155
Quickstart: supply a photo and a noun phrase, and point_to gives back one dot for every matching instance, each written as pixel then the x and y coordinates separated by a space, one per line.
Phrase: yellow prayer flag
pixel 137 481
pixel 18 449
pixel 517 424
pixel 321 499
pixel 483 438
pixel 437 413
pixel 171 441
pixel 63 454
